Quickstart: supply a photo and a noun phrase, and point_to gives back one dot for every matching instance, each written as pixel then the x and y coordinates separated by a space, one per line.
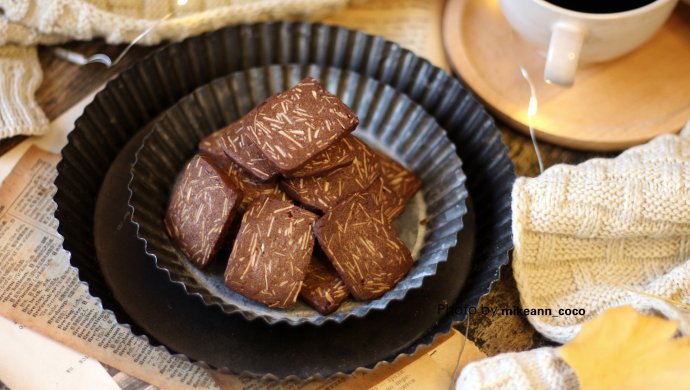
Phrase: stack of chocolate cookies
pixel 316 204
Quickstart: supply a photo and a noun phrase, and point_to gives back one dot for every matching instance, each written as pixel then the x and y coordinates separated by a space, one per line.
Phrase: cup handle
pixel 564 53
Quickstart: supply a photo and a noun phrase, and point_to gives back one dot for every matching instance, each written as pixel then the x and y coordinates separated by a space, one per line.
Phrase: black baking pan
pixel 132 100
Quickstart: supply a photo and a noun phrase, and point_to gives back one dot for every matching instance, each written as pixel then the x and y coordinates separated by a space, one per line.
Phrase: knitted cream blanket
pixel 605 233
pixel 585 235
pixel 25 23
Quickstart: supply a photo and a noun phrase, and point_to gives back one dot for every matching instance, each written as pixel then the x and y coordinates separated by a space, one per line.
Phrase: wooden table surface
pixel 65 84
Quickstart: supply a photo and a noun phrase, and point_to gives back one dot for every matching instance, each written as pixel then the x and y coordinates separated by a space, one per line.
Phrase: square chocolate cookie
pixel 394 188
pixel 201 210
pixel 322 288
pixel 212 146
pixel 232 141
pixel 252 189
pixel 340 154
pixel 363 247
pixel 292 127
pixel 323 192
pixel 271 253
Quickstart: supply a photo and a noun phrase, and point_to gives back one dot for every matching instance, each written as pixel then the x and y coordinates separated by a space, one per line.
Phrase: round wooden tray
pixel 612 105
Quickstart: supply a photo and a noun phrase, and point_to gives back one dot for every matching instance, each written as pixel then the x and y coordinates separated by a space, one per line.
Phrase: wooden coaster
pixel 612 106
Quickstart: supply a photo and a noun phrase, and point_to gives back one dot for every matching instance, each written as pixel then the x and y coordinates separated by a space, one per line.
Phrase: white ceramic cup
pixel 570 37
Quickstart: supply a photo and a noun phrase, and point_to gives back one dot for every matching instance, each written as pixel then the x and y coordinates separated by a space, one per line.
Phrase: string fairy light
pixel 533 104
pixel 531 112
pixel 102 58
pixel 455 374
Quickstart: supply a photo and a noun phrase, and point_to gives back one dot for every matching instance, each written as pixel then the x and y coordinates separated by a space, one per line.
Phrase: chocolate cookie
pixel 338 155
pixel 376 198
pixel 292 127
pixel 398 185
pixel 363 247
pixel 232 140
pixel 322 288
pixel 201 210
pixel 323 192
pixel 271 252
pixel 252 188
pixel 212 146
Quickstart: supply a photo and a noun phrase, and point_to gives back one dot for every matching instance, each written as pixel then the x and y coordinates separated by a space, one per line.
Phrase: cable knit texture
pixel 20 76
pixel 538 369
pixel 585 235
pixel 121 21
pixel 31 22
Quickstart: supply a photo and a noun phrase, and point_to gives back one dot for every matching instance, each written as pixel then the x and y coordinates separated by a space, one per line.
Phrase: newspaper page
pixel 41 290
pixel 414 24
pixel 24 351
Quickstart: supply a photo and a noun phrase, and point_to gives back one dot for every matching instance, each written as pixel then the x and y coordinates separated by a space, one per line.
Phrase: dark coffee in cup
pixel 600 6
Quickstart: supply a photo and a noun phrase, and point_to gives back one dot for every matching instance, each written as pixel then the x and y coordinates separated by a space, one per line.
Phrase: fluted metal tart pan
pixel 389 121
pixel 104 247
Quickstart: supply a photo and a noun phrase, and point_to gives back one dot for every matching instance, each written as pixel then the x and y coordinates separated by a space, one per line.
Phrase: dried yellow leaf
pixel 623 349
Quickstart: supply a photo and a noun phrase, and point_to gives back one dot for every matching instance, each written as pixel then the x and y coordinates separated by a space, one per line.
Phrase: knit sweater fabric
pixel 605 233
pixel 26 23
pixel 20 76
pixel 593 236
